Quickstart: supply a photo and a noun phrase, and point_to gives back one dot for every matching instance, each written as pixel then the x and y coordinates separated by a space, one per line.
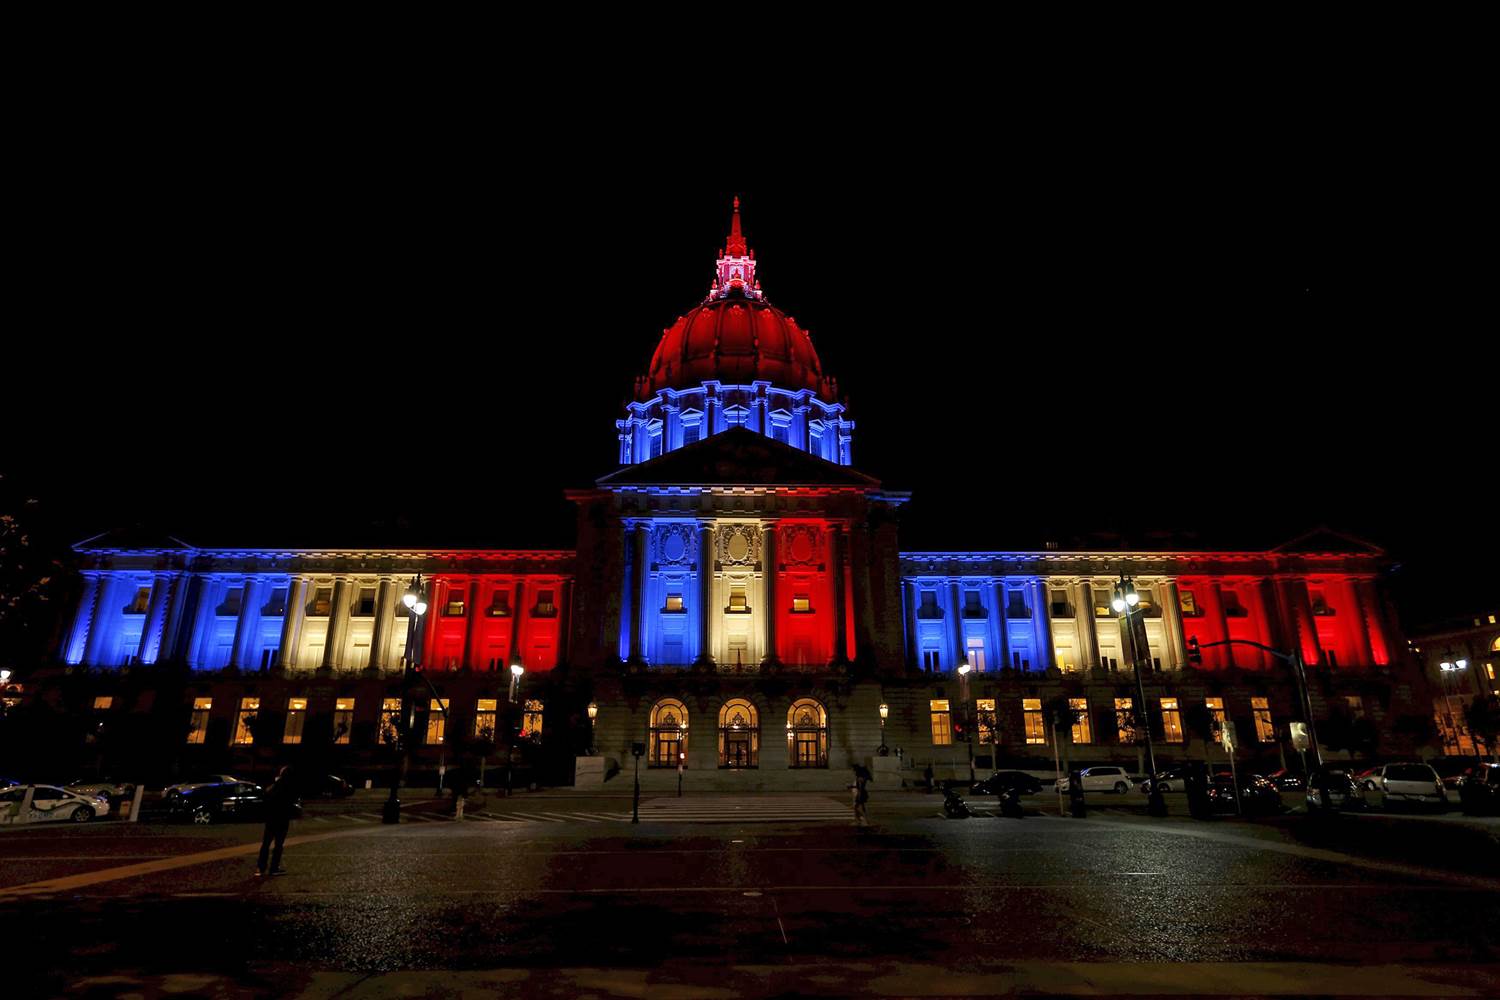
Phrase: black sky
pixel 1224 324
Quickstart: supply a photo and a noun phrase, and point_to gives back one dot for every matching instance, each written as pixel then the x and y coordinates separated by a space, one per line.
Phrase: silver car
pixel 1407 782
pixel 48 804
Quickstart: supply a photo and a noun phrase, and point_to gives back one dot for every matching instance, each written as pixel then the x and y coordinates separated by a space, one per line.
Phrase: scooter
pixel 953 806
pixel 1010 804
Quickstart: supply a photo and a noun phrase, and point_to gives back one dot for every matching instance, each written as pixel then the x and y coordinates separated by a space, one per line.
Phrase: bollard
pixel 135 804
pixel 458 808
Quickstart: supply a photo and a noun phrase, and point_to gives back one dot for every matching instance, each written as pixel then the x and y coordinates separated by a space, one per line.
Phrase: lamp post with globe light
pixel 963 687
pixel 415 600
pixel 516 670
pixel 885 710
pixel 1451 666
pixel 1126 602
pixel 593 714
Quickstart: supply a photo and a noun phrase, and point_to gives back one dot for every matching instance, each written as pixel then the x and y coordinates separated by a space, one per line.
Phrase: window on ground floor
pixel 343 719
pixel 1216 714
pixel 437 721
pixel 1264 730
pixel 296 716
pixel 198 724
pixel 1031 712
pixel 1171 721
pixel 485 713
pixel 531 720
pixel 245 721
pixel 1125 720
pixel 390 720
pixel 942 728
pixel 1083 728
pixel 984 716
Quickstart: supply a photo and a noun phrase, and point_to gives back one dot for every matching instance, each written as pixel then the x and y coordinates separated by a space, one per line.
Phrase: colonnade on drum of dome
pixel 676 735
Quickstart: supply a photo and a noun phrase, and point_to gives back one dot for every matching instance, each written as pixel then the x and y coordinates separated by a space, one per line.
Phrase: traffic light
pixel 1195 655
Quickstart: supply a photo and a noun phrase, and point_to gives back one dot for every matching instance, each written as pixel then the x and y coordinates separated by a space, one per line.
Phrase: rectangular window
pixel 1216 713
pixel 141 602
pixel 437 722
pixel 739 649
pixel 738 604
pixel 198 724
pixel 1125 720
pixel 1232 606
pixel 691 432
pixel 1319 603
pixel 455 606
pixel 1188 603
pixel 976 652
pixel 296 715
pixel 544 606
pixel 390 721
pixel 801 604
pixel 531 720
pixel 927 607
pixel 1083 727
pixel 104 703
pixel 942 731
pixel 1031 711
pixel 1060 606
pixel 1489 669
pixel 233 599
pixel 322 603
pixel 484 718
pixel 343 719
pixel 985 717
pixel 1264 730
pixel 365 607
pixel 277 604
pixel 500 604
pixel 1015 606
pixel 972 607
pixel 674 603
pixel 245 720
pixel 1102 594
pixel 1171 721
pixel 930 660
pixel 1356 705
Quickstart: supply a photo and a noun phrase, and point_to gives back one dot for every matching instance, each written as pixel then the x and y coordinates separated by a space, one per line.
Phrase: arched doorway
pixel 739 735
pixel 669 732
pixel 807 733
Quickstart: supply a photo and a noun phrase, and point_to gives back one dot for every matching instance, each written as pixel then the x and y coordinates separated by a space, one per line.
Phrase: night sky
pixel 1220 334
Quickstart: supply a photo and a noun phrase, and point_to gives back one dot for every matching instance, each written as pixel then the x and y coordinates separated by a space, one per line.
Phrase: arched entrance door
pixel 807 727
pixel 669 727
pixel 739 735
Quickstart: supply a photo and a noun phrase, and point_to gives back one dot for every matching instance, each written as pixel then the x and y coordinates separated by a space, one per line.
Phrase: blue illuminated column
pixel 78 634
pixel 156 613
pixel 247 628
pixel 291 624
pixel 104 621
pixel 1042 622
pixel 955 600
pixel 203 620
pixel 995 658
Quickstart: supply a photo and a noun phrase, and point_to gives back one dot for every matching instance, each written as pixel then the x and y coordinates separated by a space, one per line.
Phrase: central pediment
pixel 738 457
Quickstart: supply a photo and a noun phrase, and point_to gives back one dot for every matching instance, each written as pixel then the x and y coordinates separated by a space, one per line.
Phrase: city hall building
pixel 738 602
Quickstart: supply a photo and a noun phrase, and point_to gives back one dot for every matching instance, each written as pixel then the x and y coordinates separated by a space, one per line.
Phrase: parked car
pixel 1287 780
pixel 1258 795
pixel 1408 781
pixel 49 804
pixel 218 803
pixel 1366 779
pixel 208 779
pixel 1099 779
pixel 1479 791
pixel 109 788
pixel 1171 780
pixel 328 786
pixel 1000 781
pixel 1331 789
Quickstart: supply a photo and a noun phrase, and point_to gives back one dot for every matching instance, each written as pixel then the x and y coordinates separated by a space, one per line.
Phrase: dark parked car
pixel 1258 796
pixel 1000 781
pixel 1331 789
pixel 328 786
pixel 1479 792
pixel 1287 780
pixel 225 802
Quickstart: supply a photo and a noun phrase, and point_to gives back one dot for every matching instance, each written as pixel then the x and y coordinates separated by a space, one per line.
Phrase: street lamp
pixel 963 687
pixel 885 710
pixel 1450 667
pixel 4 677
pixel 593 714
pixel 415 600
pixel 1126 602
pixel 516 670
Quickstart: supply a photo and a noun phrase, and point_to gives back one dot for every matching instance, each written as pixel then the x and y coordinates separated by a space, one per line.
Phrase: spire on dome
pixel 736 267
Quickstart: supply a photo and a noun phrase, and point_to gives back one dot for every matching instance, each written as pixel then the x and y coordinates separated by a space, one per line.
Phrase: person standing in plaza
pixel 281 804
pixel 861 793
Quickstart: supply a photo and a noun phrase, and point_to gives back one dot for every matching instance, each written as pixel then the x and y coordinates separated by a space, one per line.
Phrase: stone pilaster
pixel 100 619
pixel 639 576
pixel 291 622
pixel 705 592
pixel 840 596
pixel 768 555
pixel 1171 617
pixel 384 625
pixel 248 626
pixel 1088 636
pixel 956 623
pixel 82 620
pixel 338 625
pixel 1041 617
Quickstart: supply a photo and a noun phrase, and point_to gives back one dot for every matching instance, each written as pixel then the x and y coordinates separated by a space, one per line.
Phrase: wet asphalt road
pixel 498 892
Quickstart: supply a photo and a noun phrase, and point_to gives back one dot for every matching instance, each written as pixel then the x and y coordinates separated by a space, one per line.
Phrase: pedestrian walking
pixel 927 776
pixel 861 794
pixel 281 803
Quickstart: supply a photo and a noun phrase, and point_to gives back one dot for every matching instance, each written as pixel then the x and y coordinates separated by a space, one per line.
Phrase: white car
pixel 107 788
pixel 48 803
pixel 1100 779
pixel 212 779
pixel 1406 782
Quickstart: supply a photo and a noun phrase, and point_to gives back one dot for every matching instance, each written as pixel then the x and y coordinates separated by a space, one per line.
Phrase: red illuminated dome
pixel 735 337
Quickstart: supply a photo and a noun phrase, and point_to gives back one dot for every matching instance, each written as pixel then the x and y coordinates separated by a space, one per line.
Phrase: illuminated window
pixel 1489 669
pixel 455 606
pixel 738 604
pixel 1216 713
pixel 390 720
pixel 1102 593
pixel 1083 727
pixel 1125 720
pixel 1188 603
pixel 322 603
pixel 365 606
pixel 343 719
pixel 104 703
pixel 245 720
pixel 141 602
pixel 942 730
pixel 486 713
pixel 976 652
pixel 807 729
pixel 801 604
pixel 1031 712
pixel 544 606
pixel 500 604
pixel 1171 721
pixel 296 715
pixel 984 715
pixel 669 733
pixel 437 722
pixel 198 724
pixel 531 720
pixel 674 603
pixel 1264 730
pixel 1356 705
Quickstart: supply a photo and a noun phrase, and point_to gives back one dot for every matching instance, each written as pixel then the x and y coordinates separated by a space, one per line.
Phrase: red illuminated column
pixel 564 620
pixel 1273 624
pixel 1359 630
pixel 518 625
pixel 840 597
pixel 768 535
pixel 1374 621
pixel 1221 622
pixel 471 633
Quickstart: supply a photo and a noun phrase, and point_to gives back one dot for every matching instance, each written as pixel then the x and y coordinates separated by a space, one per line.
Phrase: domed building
pixel 738 606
